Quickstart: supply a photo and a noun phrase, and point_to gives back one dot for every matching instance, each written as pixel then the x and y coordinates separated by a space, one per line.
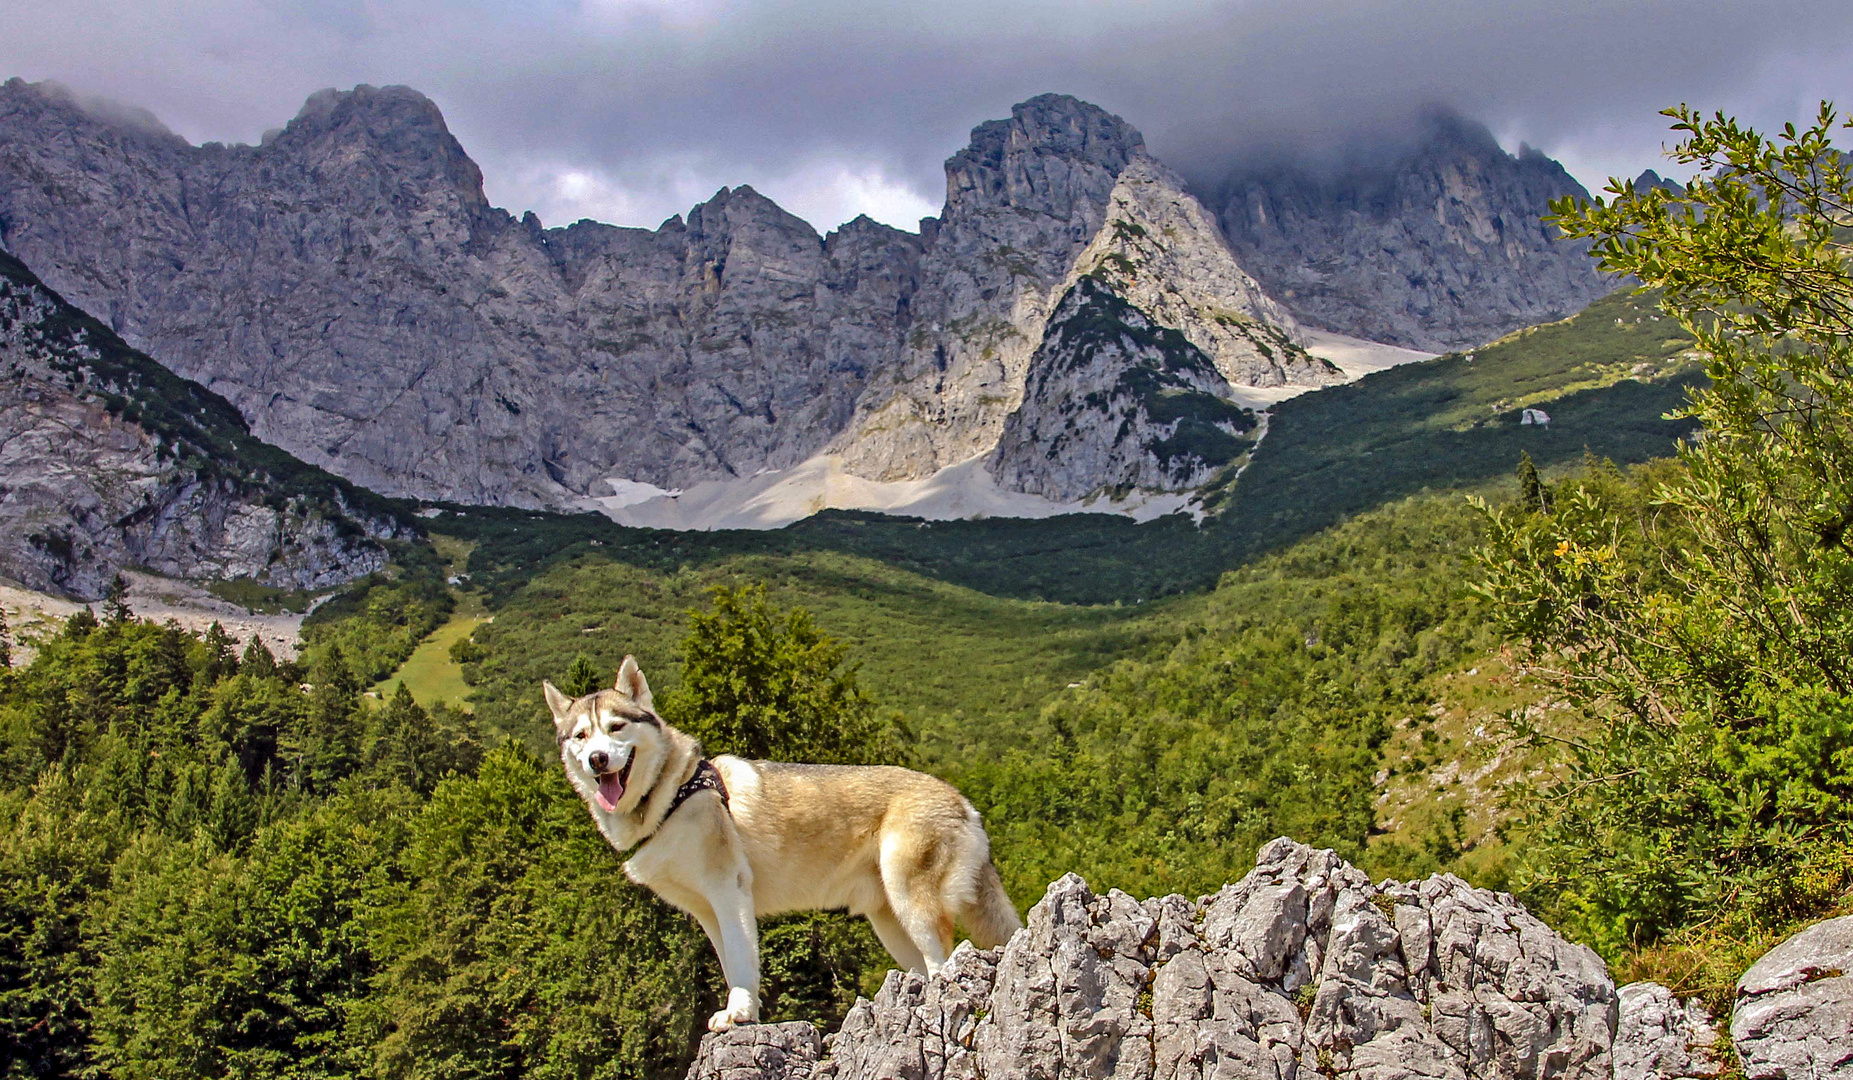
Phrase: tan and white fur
pixel 899 847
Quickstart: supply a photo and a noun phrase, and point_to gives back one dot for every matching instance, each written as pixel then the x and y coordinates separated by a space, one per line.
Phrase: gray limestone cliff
pixel 106 462
pixel 1059 190
pixel 1117 402
pixel 1436 246
pixel 349 288
pixel 1161 250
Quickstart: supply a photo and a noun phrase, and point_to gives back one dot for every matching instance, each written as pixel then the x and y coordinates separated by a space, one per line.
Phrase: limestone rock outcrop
pixel 1162 251
pixel 1793 1017
pixel 1023 200
pixel 1304 968
pixel 1663 1038
pixel 1437 245
pixel 1116 402
pixel 89 485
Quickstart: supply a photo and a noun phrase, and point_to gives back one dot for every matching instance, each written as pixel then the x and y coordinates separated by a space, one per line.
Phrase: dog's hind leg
pixel 910 878
pixel 894 938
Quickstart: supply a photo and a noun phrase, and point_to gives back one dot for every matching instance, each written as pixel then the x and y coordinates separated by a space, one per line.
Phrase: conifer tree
pixel 116 602
pixel 233 814
pixel 258 660
pixel 80 624
pixel 583 678
pixel 330 748
pixel 763 683
pixel 1530 486
pixel 220 654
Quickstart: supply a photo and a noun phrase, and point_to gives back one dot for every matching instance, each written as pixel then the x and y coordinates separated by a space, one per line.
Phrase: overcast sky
pixel 632 110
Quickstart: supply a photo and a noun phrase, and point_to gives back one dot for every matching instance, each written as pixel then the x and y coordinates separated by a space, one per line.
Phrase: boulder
pixel 1793 1018
pixel 759 1052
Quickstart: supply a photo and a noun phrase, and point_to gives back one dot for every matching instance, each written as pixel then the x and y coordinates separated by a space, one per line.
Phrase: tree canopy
pixel 1700 614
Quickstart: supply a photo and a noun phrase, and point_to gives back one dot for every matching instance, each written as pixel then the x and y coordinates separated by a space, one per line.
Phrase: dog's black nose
pixel 598 759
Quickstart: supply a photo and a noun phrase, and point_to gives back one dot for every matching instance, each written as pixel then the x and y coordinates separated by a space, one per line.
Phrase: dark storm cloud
pixel 633 109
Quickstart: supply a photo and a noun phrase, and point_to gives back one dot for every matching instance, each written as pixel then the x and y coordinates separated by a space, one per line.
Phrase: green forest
pixel 215 863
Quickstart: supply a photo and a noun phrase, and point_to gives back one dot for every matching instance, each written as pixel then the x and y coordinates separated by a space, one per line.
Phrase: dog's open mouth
pixel 611 784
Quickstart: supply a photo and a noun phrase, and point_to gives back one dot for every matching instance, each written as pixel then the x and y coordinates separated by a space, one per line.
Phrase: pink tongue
pixel 610 790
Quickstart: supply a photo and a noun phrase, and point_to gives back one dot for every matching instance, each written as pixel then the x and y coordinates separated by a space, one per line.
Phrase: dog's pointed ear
pixel 557 702
pixel 632 685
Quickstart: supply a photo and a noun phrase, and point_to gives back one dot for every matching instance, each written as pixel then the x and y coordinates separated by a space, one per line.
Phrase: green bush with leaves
pixel 1699 614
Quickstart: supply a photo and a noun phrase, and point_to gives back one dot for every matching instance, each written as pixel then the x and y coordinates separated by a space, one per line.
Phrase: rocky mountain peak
pixel 390 133
pixel 743 207
pixel 1650 179
pixel 397 330
pixel 1161 249
pixel 1116 402
pixel 50 99
pixel 1054 151
pixel 1436 244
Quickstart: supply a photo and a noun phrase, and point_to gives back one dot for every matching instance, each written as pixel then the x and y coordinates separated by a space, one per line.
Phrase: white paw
pixel 742 1008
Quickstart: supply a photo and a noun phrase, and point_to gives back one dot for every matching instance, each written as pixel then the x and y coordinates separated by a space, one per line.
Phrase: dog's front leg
pixel 738 944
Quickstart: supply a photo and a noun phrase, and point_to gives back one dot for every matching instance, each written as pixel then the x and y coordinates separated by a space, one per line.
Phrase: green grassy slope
pixel 1452 422
pixel 952 660
pixel 1149 746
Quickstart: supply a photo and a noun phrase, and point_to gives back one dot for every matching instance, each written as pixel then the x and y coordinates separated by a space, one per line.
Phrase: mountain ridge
pixel 348 286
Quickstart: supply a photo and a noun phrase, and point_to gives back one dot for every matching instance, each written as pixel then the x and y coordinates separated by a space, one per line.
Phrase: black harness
pixel 706 778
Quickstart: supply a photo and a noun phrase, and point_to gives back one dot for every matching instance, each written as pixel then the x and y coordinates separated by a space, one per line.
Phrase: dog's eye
pixel 616 726
pixel 579 736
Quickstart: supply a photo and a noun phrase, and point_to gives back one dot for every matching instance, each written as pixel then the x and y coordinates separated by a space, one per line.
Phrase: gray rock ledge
pixel 1303 968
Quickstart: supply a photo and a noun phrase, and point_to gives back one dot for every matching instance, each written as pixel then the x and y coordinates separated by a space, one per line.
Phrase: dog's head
pixel 611 741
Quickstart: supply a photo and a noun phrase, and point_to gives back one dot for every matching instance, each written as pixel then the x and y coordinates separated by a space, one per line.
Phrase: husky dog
pixel 729 840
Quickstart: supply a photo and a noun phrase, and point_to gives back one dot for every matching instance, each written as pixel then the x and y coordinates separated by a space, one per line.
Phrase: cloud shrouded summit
pixel 633 110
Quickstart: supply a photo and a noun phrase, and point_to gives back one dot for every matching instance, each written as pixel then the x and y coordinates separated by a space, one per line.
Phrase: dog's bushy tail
pixel 989 917
pixel 983 906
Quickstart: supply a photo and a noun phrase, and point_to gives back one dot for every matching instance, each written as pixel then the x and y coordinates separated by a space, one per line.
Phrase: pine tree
pixel 764 683
pixel 220 654
pixel 116 602
pixel 80 624
pixel 583 678
pixel 1531 493
pixel 258 660
pixel 233 814
pixel 6 646
pixel 330 747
